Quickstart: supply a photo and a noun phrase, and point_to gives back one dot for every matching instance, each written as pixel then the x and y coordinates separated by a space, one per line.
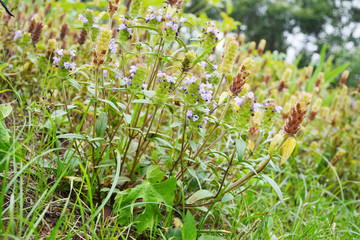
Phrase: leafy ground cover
pixel 137 122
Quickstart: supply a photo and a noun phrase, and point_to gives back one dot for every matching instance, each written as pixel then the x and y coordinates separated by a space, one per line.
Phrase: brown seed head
pixel 297 114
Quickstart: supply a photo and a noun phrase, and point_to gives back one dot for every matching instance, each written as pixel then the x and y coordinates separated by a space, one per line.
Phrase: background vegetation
pixel 124 121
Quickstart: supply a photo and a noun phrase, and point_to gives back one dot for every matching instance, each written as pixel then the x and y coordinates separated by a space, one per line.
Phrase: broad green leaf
pixel 149 93
pixel 154 174
pixel 5 110
pixel 4 134
pixel 176 124
pixel 189 231
pixel 111 104
pixel 101 124
pixel 58 113
pixel 127 118
pixel 227 197
pixel 274 186
pixel 74 83
pixel 151 194
pixel 199 195
pixel 240 148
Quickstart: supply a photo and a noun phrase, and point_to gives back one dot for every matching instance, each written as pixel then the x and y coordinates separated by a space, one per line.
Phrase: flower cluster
pixel 87 19
pixel 137 76
pixel 64 62
pixel 124 30
pixel 196 117
pixel 164 86
pixel 172 26
pixel 210 35
pixel 154 17
pixel 196 92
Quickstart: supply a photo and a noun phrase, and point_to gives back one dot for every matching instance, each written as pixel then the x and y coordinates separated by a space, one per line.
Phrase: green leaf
pixel 274 186
pixel 151 195
pixel 210 237
pixel 127 118
pixel 176 124
pixel 74 83
pixel 144 101
pixel 4 134
pixel 149 93
pixel 189 230
pixel 205 52
pixel 58 114
pixel 154 174
pixel 319 68
pixel 240 148
pixel 5 110
pixel 199 195
pixel 111 104
pixel 101 124
pixel 71 135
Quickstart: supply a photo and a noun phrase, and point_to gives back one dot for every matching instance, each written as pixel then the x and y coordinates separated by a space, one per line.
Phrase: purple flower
pixel 278 109
pixel 189 114
pixel 105 73
pixel 122 27
pixel 113 46
pixel 238 101
pixel 18 34
pixel 60 52
pixel 67 65
pixel 250 95
pixel 257 106
pixel 133 69
pixel 175 27
pixel 152 17
pixel 195 118
pixel 83 19
pixel 73 53
pixel 159 18
pixel 182 20
pixel 56 60
pixel 161 74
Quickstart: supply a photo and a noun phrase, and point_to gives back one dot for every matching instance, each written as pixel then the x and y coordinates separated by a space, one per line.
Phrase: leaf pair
pixel 285 144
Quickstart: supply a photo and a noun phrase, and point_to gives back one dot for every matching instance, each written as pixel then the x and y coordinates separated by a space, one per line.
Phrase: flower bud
pixel 251 47
pixel 308 72
pixel 52 45
pixel 229 56
pixel 261 46
pixel 325 113
pixel 317 104
pixel 241 39
pixel 338 155
pixel 344 77
pixel 319 79
pixel 188 60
